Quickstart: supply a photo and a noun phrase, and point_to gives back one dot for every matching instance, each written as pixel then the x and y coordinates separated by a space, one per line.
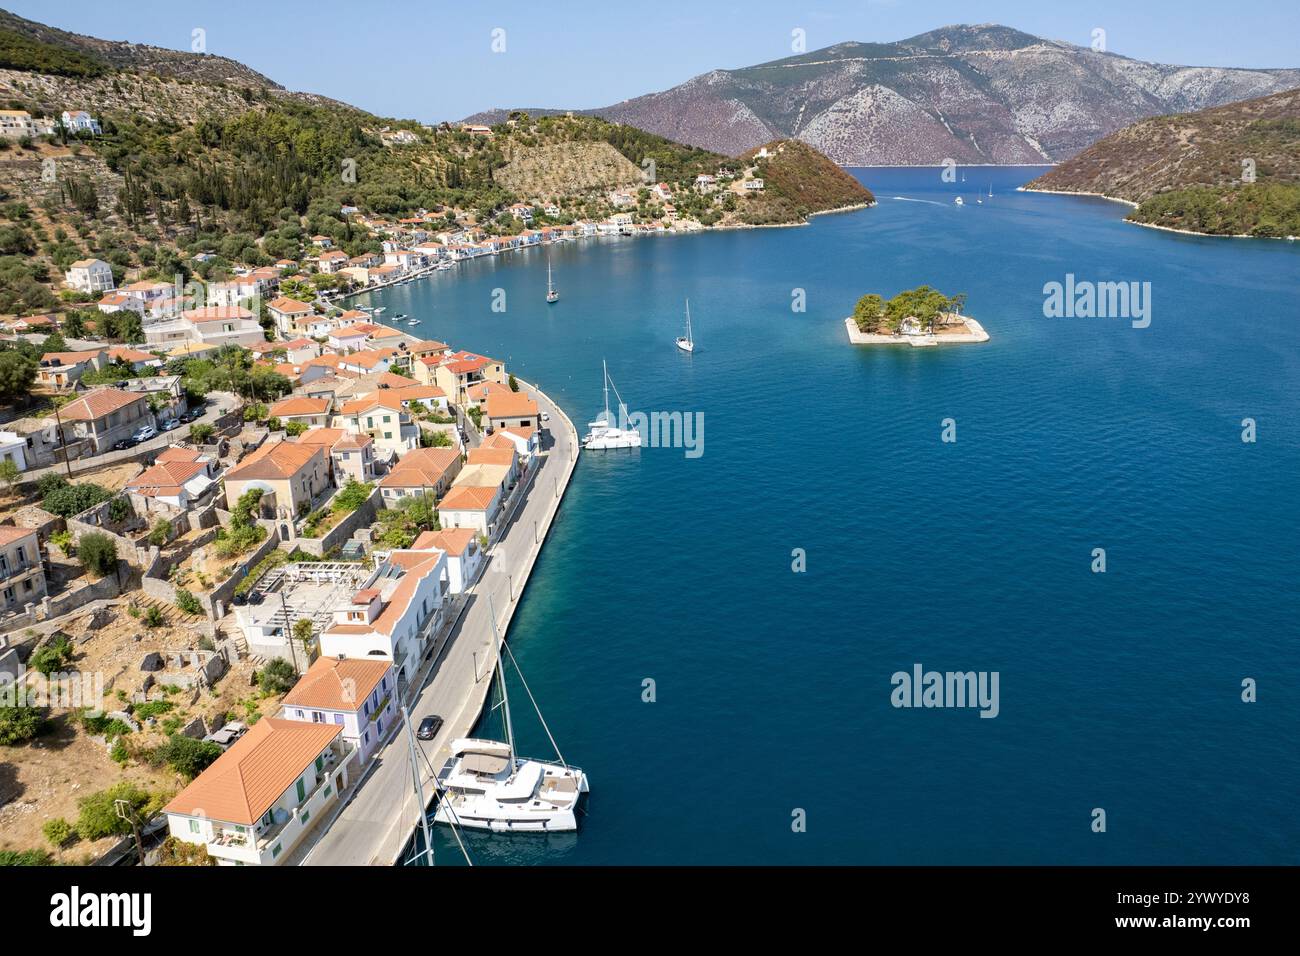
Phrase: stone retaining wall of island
pixel 974 333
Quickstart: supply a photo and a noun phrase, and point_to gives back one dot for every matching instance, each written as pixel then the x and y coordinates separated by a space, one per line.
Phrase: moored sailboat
pixel 687 342
pixel 604 434
pixel 551 294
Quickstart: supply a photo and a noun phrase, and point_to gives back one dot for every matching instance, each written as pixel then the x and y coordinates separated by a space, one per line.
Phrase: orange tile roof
pixel 326 437
pixel 246 781
pixel 212 313
pixel 70 358
pixel 400 598
pixel 299 405
pixel 175 453
pixel 288 305
pixel 124 354
pixel 421 467
pixel 102 401
pixel 333 684
pixel 9 534
pixel 418 393
pixel 351 331
pixel 279 459
pixel 165 476
pixel 467 498
pixel 454 541
pixel 491 456
pixel 384 399
pixel 509 404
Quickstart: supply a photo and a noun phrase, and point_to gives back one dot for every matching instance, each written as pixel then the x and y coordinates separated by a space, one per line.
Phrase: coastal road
pixel 376 824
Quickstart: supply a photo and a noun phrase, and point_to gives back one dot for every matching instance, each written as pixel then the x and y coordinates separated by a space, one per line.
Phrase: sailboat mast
pixel 690 336
pixel 419 787
pixel 501 678
pixel 605 368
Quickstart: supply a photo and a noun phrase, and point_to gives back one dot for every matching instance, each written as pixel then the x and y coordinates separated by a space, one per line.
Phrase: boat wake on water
pixel 929 202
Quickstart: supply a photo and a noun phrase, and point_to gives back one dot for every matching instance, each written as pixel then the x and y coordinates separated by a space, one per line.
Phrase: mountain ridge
pixel 974 94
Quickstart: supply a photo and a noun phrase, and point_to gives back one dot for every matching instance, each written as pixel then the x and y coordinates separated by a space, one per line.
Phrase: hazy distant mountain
pixel 976 94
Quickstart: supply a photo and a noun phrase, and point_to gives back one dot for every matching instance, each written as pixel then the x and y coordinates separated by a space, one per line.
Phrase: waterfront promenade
pixel 376 823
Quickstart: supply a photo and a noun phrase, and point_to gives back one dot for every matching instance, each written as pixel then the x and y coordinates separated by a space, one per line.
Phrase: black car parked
pixel 429 727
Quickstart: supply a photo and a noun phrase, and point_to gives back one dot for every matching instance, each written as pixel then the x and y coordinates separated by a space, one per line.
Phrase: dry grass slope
pixel 564 169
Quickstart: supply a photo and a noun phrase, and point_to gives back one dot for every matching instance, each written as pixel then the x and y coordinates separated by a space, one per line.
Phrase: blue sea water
pixel 1119 691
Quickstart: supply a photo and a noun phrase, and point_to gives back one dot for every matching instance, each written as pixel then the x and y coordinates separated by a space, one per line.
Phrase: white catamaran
pixel 551 294
pixel 604 433
pixel 487 786
pixel 687 342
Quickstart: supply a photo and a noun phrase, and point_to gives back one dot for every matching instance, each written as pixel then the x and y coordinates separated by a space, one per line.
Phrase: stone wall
pixel 363 517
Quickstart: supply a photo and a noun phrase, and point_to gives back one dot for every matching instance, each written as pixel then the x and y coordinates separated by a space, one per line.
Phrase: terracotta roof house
pixel 510 410
pixel 258 800
pixel 290 475
pixel 64 369
pixel 421 471
pixel 298 408
pixel 103 417
pixel 356 693
pixel 175 481
pixel 464 556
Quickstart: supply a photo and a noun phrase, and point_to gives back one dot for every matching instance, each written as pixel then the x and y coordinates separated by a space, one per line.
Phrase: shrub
pixel 119 509
pixel 187 602
pixel 63 541
pixel 69 500
pixel 201 433
pixel 353 496
pixel 98 553
pixel 52 657
pixel 98 815
pixel 174 852
pixel 160 533
pixel 19 724
pixel 58 831
pixel 153 708
pixel 294 429
pixel 277 676
pixel 187 756
pixel 120 754
pixel 24 858
pixel 153 616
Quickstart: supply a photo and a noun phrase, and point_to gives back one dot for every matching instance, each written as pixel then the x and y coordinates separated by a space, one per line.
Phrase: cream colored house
pixel 290 475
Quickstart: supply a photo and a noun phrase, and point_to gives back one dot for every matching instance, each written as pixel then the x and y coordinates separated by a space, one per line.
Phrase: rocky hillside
pixel 1186 171
pixel 563 169
pixel 976 94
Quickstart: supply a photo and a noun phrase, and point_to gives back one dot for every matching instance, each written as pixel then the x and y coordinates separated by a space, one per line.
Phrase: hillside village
pixel 225 548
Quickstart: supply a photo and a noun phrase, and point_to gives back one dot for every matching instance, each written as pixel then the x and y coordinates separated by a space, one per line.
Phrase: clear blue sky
pixel 432 60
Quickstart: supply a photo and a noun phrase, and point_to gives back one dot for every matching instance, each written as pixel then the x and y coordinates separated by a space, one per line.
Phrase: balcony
pixel 14 569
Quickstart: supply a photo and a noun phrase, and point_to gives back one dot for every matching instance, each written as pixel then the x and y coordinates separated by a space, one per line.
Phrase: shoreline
pixel 973 335
pixel 1150 225
pixel 429 270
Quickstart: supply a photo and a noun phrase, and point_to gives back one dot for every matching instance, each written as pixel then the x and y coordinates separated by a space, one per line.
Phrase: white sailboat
pixel 551 294
pixel 687 342
pixel 958 201
pixel 487 786
pixel 604 434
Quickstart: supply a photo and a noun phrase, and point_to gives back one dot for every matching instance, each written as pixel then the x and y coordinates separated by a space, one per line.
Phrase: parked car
pixel 546 417
pixel 429 727
pixel 193 415
pixel 144 433
pixel 254 597
pixel 228 734
pixel 123 445
pixel 170 424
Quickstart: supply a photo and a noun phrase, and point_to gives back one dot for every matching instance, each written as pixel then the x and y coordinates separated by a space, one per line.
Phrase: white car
pixel 545 417
pixel 144 433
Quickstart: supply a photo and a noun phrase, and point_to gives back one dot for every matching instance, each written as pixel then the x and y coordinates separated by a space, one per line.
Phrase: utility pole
pixel 126 812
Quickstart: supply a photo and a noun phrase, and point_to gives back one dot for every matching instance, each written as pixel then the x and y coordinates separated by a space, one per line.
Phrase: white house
pixel 79 121
pixel 464 556
pixel 395 614
pixel 257 801
pixel 355 693
pixel 90 275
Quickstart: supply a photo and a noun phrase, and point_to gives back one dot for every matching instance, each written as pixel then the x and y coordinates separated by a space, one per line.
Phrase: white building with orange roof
pixel 496 455
pixel 350 337
pixel 350 455
pixel 137 359
pixel 291 477
pixel 395 614
pixel 421 471
pixel 524 440
pixel 381 416
pixel 355 693
pixel 468 506
pixel 430 396
pixel 290 316
pixel 464 556
pixel 179 478
pixel 118 301
pixel 368 360
pixel 455 373
pixel 507 409
pixel 331 261
pixel 260 798
pixel 312 412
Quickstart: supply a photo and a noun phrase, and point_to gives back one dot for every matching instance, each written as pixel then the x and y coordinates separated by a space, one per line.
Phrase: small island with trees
pixel 918 317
